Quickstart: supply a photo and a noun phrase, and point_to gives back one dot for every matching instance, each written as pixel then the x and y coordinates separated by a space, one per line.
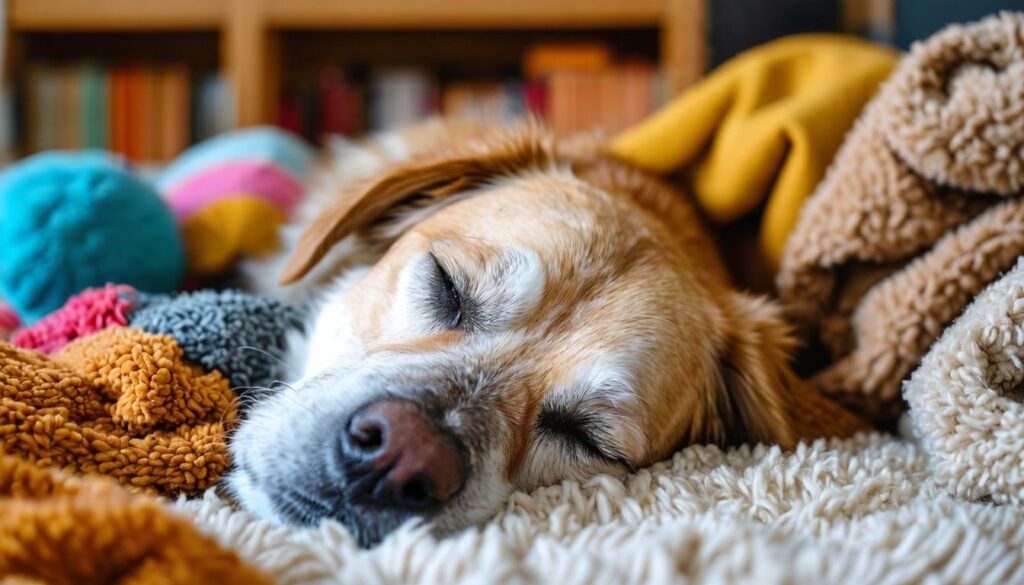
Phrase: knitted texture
pixel 121 402
pixel 237 334
pixel 966 400
pixel 842 512
pixel 87 312
pixel 912 219
pixel 63 530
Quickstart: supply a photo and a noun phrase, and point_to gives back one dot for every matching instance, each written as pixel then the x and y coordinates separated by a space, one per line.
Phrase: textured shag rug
pixel 857 511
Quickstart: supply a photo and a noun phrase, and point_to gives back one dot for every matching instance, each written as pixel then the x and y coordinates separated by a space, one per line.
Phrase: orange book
pixel 119 111
pixel 154 130
pixel 610 104
pixel 136 107
pixel 639 98
pixel 546 58
pixel 590 89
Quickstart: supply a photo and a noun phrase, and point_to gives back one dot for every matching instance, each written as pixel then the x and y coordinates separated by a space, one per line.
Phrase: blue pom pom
pixel 73 221
pixel 240 335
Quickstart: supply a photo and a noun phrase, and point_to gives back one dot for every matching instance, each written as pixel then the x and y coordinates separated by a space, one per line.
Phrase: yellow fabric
pixel 216 235
pixel 762 128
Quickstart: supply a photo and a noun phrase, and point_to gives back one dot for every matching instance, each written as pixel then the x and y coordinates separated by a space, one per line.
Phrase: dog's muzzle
pixel 387 463
pixel 391 456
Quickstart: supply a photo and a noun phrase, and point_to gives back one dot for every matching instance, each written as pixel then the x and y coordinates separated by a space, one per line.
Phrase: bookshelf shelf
pixel 314 14
pixel 251 47
pixel 113 15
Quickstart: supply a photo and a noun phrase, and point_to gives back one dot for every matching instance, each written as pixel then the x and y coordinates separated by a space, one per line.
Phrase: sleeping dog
pixel 495 310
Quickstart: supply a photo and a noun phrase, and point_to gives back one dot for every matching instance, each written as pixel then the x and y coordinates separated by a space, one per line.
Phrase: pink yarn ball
pixel 8 320
pixel 87 312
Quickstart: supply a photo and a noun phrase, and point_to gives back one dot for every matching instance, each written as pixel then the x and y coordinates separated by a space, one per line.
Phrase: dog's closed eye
pixel 447 297
pixel 582 433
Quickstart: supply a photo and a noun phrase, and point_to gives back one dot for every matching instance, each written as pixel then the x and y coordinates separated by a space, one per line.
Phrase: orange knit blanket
pixel 121 402
pixel 59 530
pixel 125 404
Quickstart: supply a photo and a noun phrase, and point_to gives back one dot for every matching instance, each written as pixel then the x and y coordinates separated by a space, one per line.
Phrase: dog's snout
pixel 402 458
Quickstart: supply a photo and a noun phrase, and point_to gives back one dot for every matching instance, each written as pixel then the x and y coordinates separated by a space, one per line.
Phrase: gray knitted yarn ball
pixel 241 335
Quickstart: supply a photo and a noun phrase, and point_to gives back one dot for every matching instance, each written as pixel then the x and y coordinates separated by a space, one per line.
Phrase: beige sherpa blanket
pixel 920 209
pixel 856 511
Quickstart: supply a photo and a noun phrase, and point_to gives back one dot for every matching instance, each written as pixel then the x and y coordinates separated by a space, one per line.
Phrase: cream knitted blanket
pixel 859 511
pixel 873 509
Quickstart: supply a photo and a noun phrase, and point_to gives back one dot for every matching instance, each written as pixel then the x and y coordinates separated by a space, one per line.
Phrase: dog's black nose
pixel 396 457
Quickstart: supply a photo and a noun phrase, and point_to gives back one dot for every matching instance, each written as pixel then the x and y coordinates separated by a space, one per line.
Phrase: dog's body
pixel 497 311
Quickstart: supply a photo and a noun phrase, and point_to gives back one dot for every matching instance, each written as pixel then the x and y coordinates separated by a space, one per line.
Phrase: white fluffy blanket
pixel 859 511
pixel 871 510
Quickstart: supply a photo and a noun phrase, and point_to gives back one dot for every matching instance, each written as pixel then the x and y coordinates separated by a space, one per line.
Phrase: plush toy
pixel 231 192
pixel 87 312
pixel 71 221
pixel 240 335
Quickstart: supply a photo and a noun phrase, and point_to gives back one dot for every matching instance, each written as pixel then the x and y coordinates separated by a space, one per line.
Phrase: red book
pixel 289 113
pixel 535 97
pixel 334 102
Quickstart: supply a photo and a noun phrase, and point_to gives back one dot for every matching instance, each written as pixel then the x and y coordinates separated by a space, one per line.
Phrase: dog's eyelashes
pixel 448 298
pixel 578 431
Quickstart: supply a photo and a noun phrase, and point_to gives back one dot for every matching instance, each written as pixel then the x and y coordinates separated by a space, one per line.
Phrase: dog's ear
pixel 387 205
pixel 760 399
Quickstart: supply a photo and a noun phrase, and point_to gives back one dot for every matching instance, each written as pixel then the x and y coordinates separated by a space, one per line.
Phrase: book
pixel 339 105
pixel 535 98
pixel 401 96
pixel 47 114
pixel 289 112
pixel 136 105
pixel 153 118
pixel 118 110
pixel 8 127
pixel 545 58
pixel 69 86
pixel 176 111
pixel 94 111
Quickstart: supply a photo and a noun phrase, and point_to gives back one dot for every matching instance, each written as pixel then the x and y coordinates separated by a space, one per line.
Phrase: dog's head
pixel 531 318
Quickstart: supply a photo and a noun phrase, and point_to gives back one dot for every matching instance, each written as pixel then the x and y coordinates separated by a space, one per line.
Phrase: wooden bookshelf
pixel 250 31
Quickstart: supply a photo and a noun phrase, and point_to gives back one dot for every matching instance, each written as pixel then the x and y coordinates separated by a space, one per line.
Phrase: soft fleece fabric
pixel 920 210
pixel 762 128
pixel 853 512
pixel 966 399
pixel 61 530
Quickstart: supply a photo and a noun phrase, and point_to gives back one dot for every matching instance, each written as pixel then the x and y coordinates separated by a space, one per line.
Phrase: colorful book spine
pixel 69 86
pixel 118 110
pixel 95 114
pixel 176 112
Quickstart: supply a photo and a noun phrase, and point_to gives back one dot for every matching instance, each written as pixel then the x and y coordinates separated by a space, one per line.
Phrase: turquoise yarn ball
pixel 73 221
